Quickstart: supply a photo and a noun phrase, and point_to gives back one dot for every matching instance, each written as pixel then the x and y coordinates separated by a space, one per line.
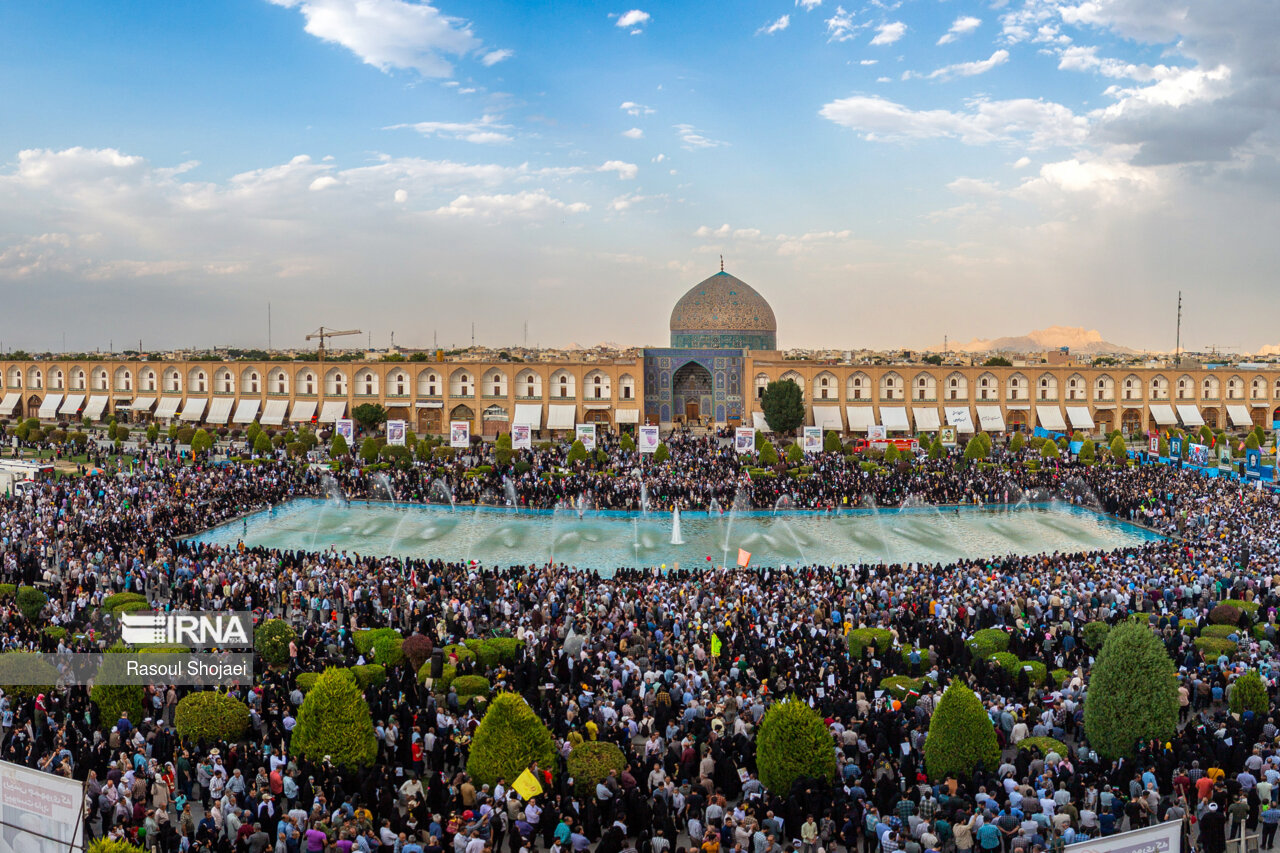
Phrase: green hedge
pixel 441 684
pixel 464 654
pixel 1249 607
pixel 495 650
pixel 29 664
pixel 792 743
pixel 210 716
pixel 30 601
pixel 369 675
pixel 364 638
pixel 387 651
pixel 860 639
pixel 306 680
pixel 471 685
pixel 111 602
pixel 1215 646
pixel 1038 674
pixel 1222 632
pixel 55 632
pixel 960 736
pixel 589 764
pixel 1046 745
pixel 508 740
pixel 1132 692
pixel 987 641
pixel 1061 676
pixel 107 845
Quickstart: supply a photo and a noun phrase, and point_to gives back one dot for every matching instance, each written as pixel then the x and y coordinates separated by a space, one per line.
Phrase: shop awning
pixel 561 416
pixel 828 418
pixel 194 409
pixel 220 410
pixel 1050 417
pixel 894 418
pixel 628 416
pixel 529 414
pixel 1190 415
pixel 861 418
pixel 927 419
pixel 592 407
pixel 1080 417
pixel 9 403
pixel 990 419
pixel 273 414
pixel 330 412
pixel 959 417
pixel 758 421
pixel 49 407
pixel 1239 415
pixel 1163 415
pixel 142 404
pixel 72 405
pixel 428 404
pixel 96 406
pixel 246 411
pixel 168 407
pixel 1017 407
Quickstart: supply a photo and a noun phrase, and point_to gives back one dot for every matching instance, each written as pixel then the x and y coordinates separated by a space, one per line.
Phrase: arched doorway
pixel 1017 420
pixel 1131 421
pixel 33 406
pixel 691 393
pixel 596 416
pixel 494 420
pixel 462 413
pixel 1104 420
pixel 1210 417
pixel 429 422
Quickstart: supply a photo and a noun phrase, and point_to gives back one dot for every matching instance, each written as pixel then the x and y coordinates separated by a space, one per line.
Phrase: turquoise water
pixel 606 540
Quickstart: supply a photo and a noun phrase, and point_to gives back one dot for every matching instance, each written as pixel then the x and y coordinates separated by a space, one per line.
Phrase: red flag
pixel 744 558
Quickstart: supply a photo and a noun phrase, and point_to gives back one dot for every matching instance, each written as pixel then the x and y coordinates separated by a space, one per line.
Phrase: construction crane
pixel 1216 350
pixel 323 334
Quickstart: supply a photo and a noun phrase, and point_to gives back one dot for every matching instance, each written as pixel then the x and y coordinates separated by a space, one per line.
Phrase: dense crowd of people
pixel 629 658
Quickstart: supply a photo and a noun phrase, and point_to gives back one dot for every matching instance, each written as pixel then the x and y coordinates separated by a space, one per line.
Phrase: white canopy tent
pixel 302 412
pixel 96 406
pixel 220 410
pixel 142 404
pixel 861 418
pixel 9 403
pixel 331 411
pixel 828 418
pixel 72 405
pixel 894 418
pixel 168 407
pixel 927 419
pixel 49 407
pixel 194 409
pixel 1163 414
pixel 1239 415
pixel 562 416
pixel 624 416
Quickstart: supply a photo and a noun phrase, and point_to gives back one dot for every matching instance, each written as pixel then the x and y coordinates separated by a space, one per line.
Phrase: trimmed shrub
pixel 987 641
pixel 1061 676
pixel 508 740
pixel 1249 607
pixel 107 845
pixel 387 651
pixel 862 638
pixel 112 603
pixel 7 590
pixel 471 685
pixel 1259 631
pixel 960 736
pixel 369 675
pixel 464 654
pixel 1008 661
pixel 210 716
pixel 1215 646
pixel 1094 634
pixel 1132 692
pixel 364 638
pixel 30 601
pixel 1038 672
pixel 416 649
pixel 589 763
pixel 1221 632
pixel 1225 614
pixel 793 743
pixel 334 721
pixel 306 681
pixel 55 632
pixel 271 640
pixel 441 684
pixel 1046 745
pixel 508 648
pixel 1250 694
pixel 30 665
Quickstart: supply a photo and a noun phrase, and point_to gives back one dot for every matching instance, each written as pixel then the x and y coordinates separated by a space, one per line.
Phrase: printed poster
pixel 346 428
pixel 876 432
pixel 947 435
pixel 521 437
pixel 811 442
pixel 648 438
pixel 1199 455
pixel 395 433
pixel 586 433
pixel 459 433
pixel 744 440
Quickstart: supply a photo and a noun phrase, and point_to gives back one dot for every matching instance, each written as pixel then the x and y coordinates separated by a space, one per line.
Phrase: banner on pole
pixel 811 442
pixel 586 433
pixel 39 811
pixel 459 433
pixel 346 428
pixel 744 440
pixel 521 437
pixel 648 435
pixel 395 433
pixel 744 558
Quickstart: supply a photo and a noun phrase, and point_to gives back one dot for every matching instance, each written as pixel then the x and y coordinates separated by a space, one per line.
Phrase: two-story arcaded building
pixel 723 354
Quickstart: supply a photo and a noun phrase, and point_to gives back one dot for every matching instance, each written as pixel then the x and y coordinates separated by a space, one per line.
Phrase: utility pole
pixel 1177 347
pixel 268 327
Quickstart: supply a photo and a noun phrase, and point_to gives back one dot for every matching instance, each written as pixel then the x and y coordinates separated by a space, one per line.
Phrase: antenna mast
pixel 1177 351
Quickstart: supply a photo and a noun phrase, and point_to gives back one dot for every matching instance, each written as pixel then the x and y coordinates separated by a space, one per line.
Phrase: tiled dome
pixel 723 312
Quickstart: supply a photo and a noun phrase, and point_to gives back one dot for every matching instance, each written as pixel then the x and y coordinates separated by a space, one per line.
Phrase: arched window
pixel 858 387
pixel 627 386
pixel 1104 388
pixel 891 386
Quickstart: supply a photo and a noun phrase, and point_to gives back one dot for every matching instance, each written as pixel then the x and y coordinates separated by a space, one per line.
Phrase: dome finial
pixel 722 263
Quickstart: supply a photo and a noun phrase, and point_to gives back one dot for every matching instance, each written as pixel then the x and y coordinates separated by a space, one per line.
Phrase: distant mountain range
pixel 1086 341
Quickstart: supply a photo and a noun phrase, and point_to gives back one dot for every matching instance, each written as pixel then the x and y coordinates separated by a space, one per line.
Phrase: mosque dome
pixel 723 312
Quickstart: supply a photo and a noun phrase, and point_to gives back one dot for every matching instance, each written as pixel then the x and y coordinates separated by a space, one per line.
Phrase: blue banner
pixel 1175 447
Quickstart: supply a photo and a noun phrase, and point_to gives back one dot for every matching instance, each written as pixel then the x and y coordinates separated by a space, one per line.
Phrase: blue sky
pixel 886 173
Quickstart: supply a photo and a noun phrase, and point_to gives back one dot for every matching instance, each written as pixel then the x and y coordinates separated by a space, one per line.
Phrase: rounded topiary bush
pixel 369 675
pixel 1008 661
pixel 365 638
pixel 1221 632
pixel 1215 646
pixel 1249 608
pixel 860 639
pixel 1132 692
pixel 30 601
pixel 334 721
pixel 387 651
pixel 111 602
pixel 1037 674
pixel 306 680
pixel 471 685
pixel 589 763
pixel 111 845
pixel 271 640
pixel 210 716
pixel 463 653
pixel 987 641
pixel 1094 634
pixel 1046 745
pixel 508 740
pixel 793 743
pixel 416 649
pixel 18 669
pixel 1061 676
pixel 1249 693
pixel 441 684
pixel 1225 614
pixel 960 736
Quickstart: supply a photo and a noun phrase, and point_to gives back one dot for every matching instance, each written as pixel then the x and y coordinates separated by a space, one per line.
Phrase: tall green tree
pixel 960 736
pixel 1018 442
pixel 1132 692
pixel 831 442
pixel 1087 451
pixel 369 415
pixel 577 452
pixel 783 406
pixel 338 447
pixel 508 740
pixel 768 454
pixel 793 743
pixel 1049 450
pixel 334 721
pixel 1118 451
pixel 795 455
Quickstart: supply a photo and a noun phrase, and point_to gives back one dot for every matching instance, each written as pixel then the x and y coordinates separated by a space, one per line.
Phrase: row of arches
pixel 336 381
pixel 925 386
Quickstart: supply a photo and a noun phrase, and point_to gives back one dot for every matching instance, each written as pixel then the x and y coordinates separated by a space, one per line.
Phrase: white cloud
pixel 973 186
pixel 889 33
pixel 389 34
pixel 631 108
pixel 626 171
pixel 970 69
pixel 493 57
pixel 868 61
pixel 534 204
pixel 486 129
pixel 692 139
pixel 1022 163
pixel 1036 123
pixel 401 196
pixel 1098 180
pixel 776 27
pixel 633 20
pixel 809 5
pixel 705 231
pixel 660 158
pixel 841 26
pixel 633 133
pixel 962 26
pixel 324 182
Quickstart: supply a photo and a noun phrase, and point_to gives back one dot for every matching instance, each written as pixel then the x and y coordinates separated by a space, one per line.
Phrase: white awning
pixel 894 418
pixel 1104 405
pixel 428 404
pixel 168 407
pixel 759 422
pixel 1017 407
pixel 1239 415
pixel 96 406
pixel 991 419
pixel 303 411
pixel 628 416
pixel 142 404
pixel 72 404
pixel 273 414
pixel 1050 417
pixel 529 414
pixel 927 419
pixel 330 412
pixel 591 407
pixel 959 417
pixel 1080 417
pixel 9 403
pixel 49 407
pixel 561 416
pixel 1163 415
pixel 1190 416
pixel 861 418
pixel 246 411
pixel 828 418
pixel 220 410
pixel 194 409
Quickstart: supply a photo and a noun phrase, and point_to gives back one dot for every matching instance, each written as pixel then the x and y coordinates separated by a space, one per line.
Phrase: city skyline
pixel 886 174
